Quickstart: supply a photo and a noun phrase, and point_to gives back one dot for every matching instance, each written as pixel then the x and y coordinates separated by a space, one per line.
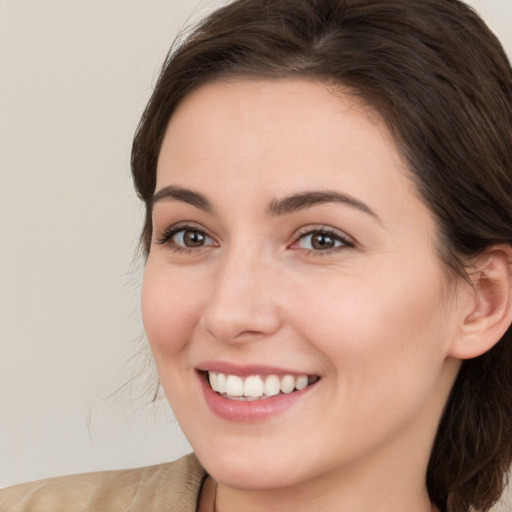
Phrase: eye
pixel 322 240
pixel 190 238
pixel 186 237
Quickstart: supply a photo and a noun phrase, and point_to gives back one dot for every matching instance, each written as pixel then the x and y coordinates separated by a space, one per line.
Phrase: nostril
pixel 250 334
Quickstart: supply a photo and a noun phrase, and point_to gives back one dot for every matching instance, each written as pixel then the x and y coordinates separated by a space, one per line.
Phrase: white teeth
pixel 256 387
pixel 301 382
pixel 221 382
pixel 214 380
pixel 287 384
pixel 234 385
pixel 253 386
pixel 272 386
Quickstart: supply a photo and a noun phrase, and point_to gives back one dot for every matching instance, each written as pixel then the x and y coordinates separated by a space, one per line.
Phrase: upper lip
pixel 245 370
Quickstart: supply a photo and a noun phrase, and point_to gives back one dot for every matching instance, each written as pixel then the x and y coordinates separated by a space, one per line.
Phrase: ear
pixel 487 310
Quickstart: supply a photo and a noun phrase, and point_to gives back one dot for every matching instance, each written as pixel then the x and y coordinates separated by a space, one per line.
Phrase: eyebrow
pixel 307 199
pixel 174 193
pixel 284 206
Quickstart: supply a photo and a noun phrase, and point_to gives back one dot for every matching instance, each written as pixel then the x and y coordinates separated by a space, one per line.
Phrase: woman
pixel 328 278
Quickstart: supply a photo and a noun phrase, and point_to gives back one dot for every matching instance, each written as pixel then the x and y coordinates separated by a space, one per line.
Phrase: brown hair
pixel 442 82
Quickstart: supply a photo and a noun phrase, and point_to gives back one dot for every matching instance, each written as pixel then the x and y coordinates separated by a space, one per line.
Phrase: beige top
pixel 169 487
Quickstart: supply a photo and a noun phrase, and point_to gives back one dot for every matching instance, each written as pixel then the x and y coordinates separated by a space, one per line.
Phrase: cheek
pixel 384 348
pixel 371 328
pixel 171 308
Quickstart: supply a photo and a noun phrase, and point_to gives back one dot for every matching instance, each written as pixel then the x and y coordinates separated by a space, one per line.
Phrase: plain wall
pixel 74 79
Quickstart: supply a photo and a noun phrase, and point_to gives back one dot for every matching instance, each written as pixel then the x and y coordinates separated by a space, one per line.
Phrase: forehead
pixel 287 111
pixel 281 135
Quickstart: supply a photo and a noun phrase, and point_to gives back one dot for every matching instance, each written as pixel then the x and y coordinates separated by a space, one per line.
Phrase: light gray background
pixel 74 78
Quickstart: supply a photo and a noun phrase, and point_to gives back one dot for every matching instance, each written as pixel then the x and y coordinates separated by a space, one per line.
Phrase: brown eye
pixel 321 241
pixel 191 238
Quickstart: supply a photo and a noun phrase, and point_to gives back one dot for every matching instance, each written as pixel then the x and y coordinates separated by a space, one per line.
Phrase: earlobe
pixel 489 311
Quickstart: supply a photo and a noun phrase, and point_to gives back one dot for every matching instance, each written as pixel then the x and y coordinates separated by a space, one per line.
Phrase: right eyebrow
pixel 174 193
pixel 307 199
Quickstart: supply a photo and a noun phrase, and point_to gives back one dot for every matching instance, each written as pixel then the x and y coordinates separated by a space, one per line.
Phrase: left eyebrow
pixel 307 199
pixel 174 193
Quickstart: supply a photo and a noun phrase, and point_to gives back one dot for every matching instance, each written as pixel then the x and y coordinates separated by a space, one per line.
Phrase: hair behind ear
pixel 473 447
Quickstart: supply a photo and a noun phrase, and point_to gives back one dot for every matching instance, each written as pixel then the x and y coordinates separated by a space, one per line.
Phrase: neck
pixel 228 501
pixel 347 493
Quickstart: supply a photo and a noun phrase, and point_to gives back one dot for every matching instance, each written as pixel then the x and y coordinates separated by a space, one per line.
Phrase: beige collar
pixel 207 496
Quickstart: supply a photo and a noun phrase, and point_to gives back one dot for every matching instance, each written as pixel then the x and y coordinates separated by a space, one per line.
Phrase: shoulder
pixel 148 489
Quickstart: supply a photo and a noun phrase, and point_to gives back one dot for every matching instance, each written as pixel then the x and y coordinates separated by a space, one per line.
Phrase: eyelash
pixel 345 241
pixel 167 236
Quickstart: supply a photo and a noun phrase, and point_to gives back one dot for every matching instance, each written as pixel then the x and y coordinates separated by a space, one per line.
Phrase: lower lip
pixel 249 411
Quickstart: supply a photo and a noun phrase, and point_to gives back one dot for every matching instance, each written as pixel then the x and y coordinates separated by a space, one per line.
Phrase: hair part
pixel 443 84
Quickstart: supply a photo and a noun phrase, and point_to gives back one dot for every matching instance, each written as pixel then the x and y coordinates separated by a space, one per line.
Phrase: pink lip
pixel 245 370
pixel 255 410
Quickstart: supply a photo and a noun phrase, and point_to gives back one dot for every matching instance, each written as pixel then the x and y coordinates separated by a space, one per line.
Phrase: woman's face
pixel 290 249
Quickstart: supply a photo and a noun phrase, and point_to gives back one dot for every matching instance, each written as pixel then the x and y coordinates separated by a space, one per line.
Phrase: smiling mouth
pixel 256 387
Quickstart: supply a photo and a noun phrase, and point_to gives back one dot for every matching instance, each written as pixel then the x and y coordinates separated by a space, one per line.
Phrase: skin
pixel 376 319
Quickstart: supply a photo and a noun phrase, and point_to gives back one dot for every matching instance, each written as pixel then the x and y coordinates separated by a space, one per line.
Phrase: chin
pixel 251 469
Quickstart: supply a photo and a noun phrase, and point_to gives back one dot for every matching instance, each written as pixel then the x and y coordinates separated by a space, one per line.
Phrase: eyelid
pixel 347 241
pixel 166 236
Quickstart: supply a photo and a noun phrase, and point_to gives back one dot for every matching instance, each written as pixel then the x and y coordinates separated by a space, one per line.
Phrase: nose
pixel 243 302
